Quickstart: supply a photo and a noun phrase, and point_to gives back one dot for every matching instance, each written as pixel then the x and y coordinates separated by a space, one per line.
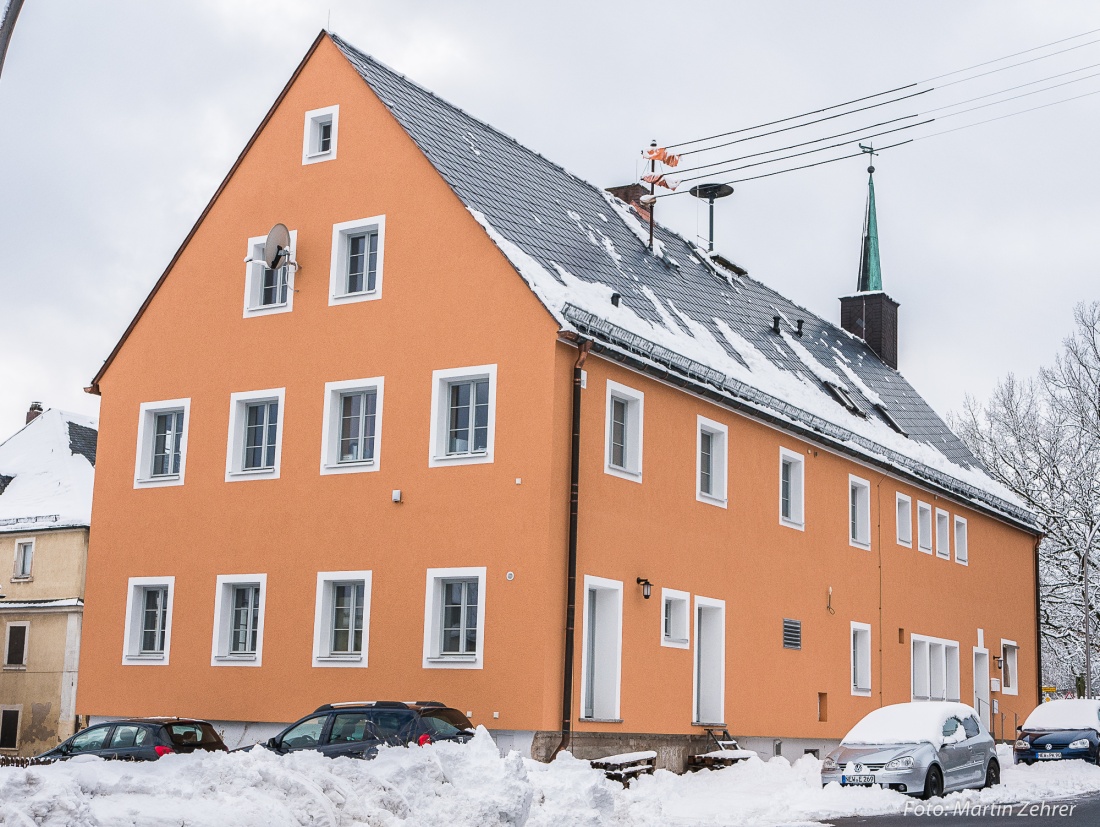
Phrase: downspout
pixel 571 586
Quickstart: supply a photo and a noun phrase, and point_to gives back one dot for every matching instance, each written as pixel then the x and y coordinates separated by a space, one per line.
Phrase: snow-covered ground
pixel 460 786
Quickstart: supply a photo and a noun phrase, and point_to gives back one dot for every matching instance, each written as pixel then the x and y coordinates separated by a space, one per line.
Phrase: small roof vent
pixel 842 396
pixel 888 418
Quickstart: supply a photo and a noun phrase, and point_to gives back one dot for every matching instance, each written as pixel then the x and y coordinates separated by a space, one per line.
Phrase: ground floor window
pixel 9 728
pixel 935 669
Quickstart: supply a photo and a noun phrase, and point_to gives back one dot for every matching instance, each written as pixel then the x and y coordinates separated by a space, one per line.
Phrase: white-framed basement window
pixel 861 658
pixel 904 518
pixel 924 527
pixel 624 432
pixel 463 423
pixel 255 442
pixel 355 269
pixel 267 291
pixel 341 623
pixel 791 489
pixel 711 461
pixel 935 668
pixel 351 429
pixel 454 618
pixel 962 550
pixel 320 134
pixel 601 649
pixel 1010 667
pixel 859 512
pixel 24 559
pixel 943 534
pixel 709 672
pixel 161 456
pixel 16 640
pixel 675 618
pixel 239 620
pixel 148 631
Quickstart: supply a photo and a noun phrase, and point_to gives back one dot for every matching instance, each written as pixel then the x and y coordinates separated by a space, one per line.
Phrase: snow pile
pixel 1077 713
pixel 911 723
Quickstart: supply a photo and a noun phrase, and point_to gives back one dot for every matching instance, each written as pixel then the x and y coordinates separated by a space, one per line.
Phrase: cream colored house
pixel 46 471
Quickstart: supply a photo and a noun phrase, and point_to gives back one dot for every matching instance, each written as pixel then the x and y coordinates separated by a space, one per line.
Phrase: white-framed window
pixel 601 648
pixel 355 269
pixel 1010 674
pixel 267 291
pixel 161 456
pixel 709 672
pixel 16 636
pixel 10 715
pixel 239 620
pixel 148 635
pixel 351 431
pixel 454 618
pixel 904 518
pixel 935 668
pixel 463 420
pixel 861 658
pixel 962 551
pixel 943 534
pixel 24 559
pixel 924 527
pixel 322 128
pixel 859 512
pixel 341 625
pixel 711 461
pixel 255 435
pixel 624 431
pixel 791 489
pixel 675 618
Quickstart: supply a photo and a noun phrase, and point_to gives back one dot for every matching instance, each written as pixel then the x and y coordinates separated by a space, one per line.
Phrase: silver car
pixel 923 748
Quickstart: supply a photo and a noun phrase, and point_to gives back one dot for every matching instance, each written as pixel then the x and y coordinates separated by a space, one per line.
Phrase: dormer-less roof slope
pixel 576 246
pixel 49 465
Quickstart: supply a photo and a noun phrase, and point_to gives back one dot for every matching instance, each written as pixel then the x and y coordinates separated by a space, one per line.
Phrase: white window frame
pixel 859 496
pixel 925 526
pixel 943 534
pixel 635 431
pixel 961 532
pixel 223 620
pixel 862 633
pixel 1010 665
pixel 719 461
pixel 437 436
pixel 338 263
pixel 798 489
pixel 904 521
pixel 433 618
pixel 135 607
pixel 16 577
pixel 254 267
pixel 18 724
pixel 946 669
pixel 330 426
pixel 323 656
pixel 616 587
pixel 681 618
pixel 720 605
pixel 143 456
pixel 26 624
pixel 234 452
pixel 314 118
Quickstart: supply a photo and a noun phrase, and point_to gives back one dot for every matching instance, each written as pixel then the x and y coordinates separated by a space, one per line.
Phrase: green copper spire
pixel 870 270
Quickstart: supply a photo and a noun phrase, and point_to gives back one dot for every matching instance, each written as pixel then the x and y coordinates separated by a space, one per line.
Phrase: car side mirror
pixel 1020 728
pixel 273 743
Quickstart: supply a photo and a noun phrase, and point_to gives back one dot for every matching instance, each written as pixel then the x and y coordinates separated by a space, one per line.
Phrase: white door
pixel 710 661
pixel 981 685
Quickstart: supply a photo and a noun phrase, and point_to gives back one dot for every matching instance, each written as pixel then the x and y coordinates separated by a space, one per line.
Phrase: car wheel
pixel 933 783
pixel 992 774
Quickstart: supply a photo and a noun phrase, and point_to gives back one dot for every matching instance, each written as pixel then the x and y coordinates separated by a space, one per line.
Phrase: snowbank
pixel 461 786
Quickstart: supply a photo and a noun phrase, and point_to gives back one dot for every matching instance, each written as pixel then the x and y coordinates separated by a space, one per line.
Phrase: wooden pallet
pixel 618 769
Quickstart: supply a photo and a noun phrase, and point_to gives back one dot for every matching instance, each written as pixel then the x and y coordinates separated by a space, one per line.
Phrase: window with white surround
pixel 935 668
pixel 943 534
pixel 859 512
pixel 267 291
pixel 351 431
pixel 791 484
pixel 1010 675
pixel 924 527
pixel 904 519
pixel 711 458
pixel 15 644
pixel 709 673
pixel 454 618
pixel 861 658
pixel 255 435
pixel 9 726
pixel 962 552
pixel 239 620
pixel 322 128
pixel 623 438
pixel 341 626
pixel 24 559
pixel 355 270
pixel 161 456
pixel 601 648
pixel 148 635
pixel 675 618
pixel 463 415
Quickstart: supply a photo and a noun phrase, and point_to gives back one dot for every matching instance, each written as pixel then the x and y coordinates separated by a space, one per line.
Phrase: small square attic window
pixel 320 134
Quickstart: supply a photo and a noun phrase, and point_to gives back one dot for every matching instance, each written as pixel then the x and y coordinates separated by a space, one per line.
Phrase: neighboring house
pixel 773 531
pixel 46 472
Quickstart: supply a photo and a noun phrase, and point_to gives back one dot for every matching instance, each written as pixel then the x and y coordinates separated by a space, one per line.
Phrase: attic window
pixel 842 396
pixel 889 419
pixel 320 135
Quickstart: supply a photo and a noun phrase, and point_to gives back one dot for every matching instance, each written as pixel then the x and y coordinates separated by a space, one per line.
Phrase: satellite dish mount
pixel 277 252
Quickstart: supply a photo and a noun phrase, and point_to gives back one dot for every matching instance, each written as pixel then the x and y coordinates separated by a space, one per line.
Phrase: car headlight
pixel 829 763
pixel 1080 743
pixel 903 763
pixel 1022 745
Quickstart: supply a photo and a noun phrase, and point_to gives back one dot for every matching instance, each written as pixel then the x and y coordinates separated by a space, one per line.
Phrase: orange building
pixel 349 476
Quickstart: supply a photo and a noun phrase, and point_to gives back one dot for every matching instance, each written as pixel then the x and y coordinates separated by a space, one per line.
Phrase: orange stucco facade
pixel 451 299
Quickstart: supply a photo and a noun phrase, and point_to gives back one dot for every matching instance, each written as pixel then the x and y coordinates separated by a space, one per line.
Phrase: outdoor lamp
pixel 647 587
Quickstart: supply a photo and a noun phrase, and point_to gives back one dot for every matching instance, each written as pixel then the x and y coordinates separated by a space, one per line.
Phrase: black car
pixel 1058 731
pixel 357 729
pixel 139 739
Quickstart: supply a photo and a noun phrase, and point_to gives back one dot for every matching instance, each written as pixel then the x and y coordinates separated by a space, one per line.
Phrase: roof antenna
pixel 709 192
pixel 652 189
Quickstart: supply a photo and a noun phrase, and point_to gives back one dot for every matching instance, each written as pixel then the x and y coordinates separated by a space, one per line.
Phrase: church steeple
pixel 870 270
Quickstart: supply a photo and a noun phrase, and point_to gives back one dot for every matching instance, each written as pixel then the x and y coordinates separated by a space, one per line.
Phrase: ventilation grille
pixel 792 634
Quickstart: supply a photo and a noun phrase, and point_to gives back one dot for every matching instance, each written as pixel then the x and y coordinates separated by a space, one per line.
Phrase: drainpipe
pixel 571 587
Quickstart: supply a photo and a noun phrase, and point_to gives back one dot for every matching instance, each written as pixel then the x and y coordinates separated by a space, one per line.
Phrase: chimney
pixel 34 412
pixel 873 317
pixel 632 195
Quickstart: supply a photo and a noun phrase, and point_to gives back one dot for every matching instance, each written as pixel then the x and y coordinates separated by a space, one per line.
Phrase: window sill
pixel 859 545
pixel 962 562
pixel 236 658
pixel 783 521
pixel 351 298
pixel 924 550
pixel 904 544
pixel 146 656
pixel 602 720
pixel 622 473
pixel 163 481
pixel 943 556
pixel 710 499
pixel 675 641
pixel 316 156
pixel 246 473
pixel 471 458
pixel 18 579
pixel 453 658
pixel 341 658
pixel 15 667
pixel 351 463
pixel 861 693
pixel 712 725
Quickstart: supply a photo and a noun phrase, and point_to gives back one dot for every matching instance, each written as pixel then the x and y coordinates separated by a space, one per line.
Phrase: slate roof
pixel 566 224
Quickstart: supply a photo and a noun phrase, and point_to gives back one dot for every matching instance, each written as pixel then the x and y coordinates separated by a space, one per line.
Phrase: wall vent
pixel 792 634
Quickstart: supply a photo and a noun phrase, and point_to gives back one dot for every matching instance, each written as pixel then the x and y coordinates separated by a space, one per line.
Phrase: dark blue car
pixel 1060 731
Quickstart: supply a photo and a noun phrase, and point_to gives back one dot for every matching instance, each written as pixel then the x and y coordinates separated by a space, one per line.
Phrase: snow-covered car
pixel 923 748
pixel 139 739
pixel 1060 730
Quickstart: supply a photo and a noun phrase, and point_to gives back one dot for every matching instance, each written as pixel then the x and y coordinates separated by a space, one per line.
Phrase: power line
pixel 1009 115
pixel 1013 88
pixel 1017 97
pixel 1008 57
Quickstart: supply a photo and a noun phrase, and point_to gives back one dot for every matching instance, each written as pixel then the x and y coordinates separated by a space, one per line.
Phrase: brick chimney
pixel 632 195
pixel 34 412
pixel 873 317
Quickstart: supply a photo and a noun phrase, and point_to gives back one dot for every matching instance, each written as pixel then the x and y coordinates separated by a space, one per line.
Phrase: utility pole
pixel 7 26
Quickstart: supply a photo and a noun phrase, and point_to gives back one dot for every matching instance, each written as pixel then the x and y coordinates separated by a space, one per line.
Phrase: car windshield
pixel 444 723
pixel 194 734
pixel 89 739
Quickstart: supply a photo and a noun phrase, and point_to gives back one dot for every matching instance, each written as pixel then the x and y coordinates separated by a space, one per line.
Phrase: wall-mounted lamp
pixel 647 587
pixel 1000 662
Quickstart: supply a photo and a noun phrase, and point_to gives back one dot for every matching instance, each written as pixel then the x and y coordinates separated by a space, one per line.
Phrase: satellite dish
pixel 277 247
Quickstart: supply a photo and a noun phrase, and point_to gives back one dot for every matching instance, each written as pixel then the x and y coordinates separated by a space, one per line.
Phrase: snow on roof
pixel 1070 713
pixel 909 723
pixel 62 603
pixel 49 465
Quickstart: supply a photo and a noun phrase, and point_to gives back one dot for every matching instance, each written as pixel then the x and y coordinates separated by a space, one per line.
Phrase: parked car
pixel 139 739
pixel 357 729
pixel 1060 730
pixel 923 748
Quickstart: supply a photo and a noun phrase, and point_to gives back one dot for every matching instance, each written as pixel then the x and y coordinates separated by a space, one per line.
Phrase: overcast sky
pixel 119 119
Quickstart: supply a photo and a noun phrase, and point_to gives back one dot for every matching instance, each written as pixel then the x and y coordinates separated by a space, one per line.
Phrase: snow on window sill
pixel 236 657
pixel 15 667
pixel 455 658
pixel 252 472
pixel 146 656
pixel 602 720
pixel 21 578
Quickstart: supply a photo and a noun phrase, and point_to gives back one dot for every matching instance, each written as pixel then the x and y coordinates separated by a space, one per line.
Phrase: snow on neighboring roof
pixel 63 603
pixel 909 723
pixel 1070 713
pixel 49 463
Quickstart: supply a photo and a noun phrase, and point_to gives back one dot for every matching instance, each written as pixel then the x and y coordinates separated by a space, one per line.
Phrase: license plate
pixel 857 779
pixel 1048 756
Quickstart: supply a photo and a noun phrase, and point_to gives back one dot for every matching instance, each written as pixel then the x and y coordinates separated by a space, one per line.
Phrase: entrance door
pixel 981 685
pixel 602 653
pixel 710 661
